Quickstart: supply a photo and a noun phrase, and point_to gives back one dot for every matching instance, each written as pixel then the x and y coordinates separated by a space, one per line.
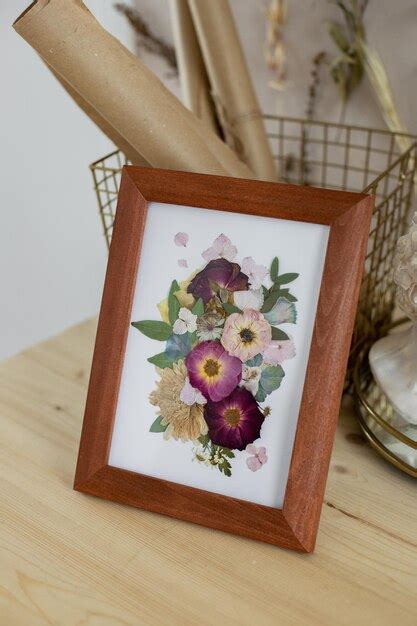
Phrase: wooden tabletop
pixel 71 559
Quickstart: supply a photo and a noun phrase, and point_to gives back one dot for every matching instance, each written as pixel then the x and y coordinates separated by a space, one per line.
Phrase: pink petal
pixel 279 351
pixel 253 463
pixel 182 263
pixel 251 449
pixel 221 242
pixel 181 239
pixel 210 254
pixel 262 455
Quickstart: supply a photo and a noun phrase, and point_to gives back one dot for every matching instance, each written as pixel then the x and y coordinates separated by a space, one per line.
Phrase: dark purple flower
pixel 212 370
pixel 219 272
pixel 235 421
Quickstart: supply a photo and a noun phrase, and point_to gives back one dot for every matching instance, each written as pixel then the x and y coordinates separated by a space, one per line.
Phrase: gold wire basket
pixel 336 156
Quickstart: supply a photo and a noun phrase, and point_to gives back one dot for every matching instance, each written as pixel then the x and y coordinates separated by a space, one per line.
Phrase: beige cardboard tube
pixel 122 91
pixel 118 140
pixel 238 108
pixel 193 76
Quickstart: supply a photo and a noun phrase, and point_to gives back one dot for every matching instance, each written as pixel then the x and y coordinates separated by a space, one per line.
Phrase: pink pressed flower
pixel 258 459
pixel 182 263
pixel 256 273
pixel 212 371
pixel 279 351
pixel 222 248
pixel 181 239
pixel 246 334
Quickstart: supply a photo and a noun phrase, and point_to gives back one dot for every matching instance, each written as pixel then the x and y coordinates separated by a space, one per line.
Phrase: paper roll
pixel 237 105
pixel 118 140
pixel 122 91
pixel 195 86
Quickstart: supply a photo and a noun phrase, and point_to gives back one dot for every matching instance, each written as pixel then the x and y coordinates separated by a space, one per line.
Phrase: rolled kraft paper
pixel 195 86
pixel 122 91
pixel 238 108
pixel 109 131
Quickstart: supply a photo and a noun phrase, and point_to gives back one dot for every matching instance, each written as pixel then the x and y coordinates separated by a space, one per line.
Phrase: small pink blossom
pixel 190 395
pixel 222 248
pixel 258 459
pixel 255 273
pixel 181 239
pixel 279 351
pixel 246 334
pixel 182 263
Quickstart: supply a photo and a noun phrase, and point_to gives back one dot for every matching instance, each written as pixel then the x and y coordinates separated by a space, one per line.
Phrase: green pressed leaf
pixel 154 330
pixel 178 346
pixel 287 278
pixel 273 272
pixel 173 304
pixel 278 334
pixel 204 439
pixel 228 453
pixel 255 361
pixel 161 360
pixel 286 294
pixel 157 427
pixel 198 308
pixel 270 300
pixel 270 380
pixel 230 308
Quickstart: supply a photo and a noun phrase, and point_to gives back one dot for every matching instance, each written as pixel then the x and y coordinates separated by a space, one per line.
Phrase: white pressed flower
pixel 186 322
pixel 250 299
pixel 250 378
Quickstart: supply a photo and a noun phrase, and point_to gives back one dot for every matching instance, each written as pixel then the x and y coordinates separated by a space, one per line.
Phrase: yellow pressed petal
pixel 185 299
pixel 163 310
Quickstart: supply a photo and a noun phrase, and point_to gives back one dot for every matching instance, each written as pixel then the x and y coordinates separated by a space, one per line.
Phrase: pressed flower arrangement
pixel 223 356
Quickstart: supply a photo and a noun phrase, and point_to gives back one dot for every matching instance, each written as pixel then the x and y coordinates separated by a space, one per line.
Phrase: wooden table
pixel 67 558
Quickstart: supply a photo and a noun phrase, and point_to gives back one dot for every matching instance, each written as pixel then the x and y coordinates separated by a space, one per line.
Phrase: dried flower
pixel 209 326
pixel 183 421
pixel 222 248
pixel 279 351
pixel 235 421
pixel 246 334
pixel 276 16
pixel 212 370
pixel 186 322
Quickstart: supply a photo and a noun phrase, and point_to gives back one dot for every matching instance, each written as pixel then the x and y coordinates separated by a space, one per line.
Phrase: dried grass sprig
pixel 358 58
pixel 347 69
pixel 147 39
pixel 381 86
pixel 276 17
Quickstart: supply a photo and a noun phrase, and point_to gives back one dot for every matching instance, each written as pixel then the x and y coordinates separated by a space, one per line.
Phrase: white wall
pixel 52 254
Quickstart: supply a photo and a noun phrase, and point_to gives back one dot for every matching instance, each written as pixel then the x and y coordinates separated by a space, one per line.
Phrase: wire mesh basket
pixel 336 156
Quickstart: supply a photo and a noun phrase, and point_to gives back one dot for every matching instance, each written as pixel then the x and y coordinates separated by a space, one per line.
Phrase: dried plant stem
pixel 379 81
pixel 146 37
pixel 276 17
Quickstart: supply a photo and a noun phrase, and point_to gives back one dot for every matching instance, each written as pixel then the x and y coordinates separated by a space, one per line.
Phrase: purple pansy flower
pixel 220 272
pixel 212 370
pixel 235 421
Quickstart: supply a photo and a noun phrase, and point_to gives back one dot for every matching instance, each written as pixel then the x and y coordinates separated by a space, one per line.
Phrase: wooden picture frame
pixel 348 217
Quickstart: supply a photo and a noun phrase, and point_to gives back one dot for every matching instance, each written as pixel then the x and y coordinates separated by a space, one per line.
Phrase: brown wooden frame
pixel 348 216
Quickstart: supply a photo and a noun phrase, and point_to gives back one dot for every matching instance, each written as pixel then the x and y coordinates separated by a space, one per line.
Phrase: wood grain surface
pixel 68 559
pixel 348 216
